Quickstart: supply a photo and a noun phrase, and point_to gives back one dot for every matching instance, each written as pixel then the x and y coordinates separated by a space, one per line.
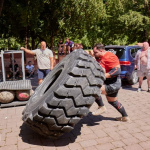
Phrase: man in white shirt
pixel 44 60
pixel 30 69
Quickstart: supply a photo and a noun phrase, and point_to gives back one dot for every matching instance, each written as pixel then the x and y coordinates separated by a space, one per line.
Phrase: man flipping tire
pixel 111 65
pixel 65 95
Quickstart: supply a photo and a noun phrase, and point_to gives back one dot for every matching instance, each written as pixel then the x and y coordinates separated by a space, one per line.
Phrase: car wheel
pixel 134 78
pixel 65 95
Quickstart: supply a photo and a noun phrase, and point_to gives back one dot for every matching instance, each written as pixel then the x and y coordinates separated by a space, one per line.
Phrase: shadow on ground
pixel 30 137
pixel 127 86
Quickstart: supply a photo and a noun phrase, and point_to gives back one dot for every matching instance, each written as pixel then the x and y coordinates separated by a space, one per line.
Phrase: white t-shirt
pixel 43 58
pixel 29 68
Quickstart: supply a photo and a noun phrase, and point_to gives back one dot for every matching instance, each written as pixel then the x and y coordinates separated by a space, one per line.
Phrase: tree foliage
pixel 88 22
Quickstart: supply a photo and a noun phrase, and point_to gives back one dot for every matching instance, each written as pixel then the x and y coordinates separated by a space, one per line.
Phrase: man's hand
pixel 51 68
pixel 22 48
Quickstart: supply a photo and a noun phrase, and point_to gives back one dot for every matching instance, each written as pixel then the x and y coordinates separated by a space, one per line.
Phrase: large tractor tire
pixel 65 95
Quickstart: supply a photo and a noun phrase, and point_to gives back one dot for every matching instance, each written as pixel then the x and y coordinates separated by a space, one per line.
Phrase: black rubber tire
pixel 65 95
pixel 134 78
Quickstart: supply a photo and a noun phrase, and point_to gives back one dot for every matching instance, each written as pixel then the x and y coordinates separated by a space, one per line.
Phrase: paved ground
pixel 91 133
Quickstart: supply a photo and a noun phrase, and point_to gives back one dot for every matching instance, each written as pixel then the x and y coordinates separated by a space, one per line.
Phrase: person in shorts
pixel 44 60
pixel 110 63
pixel 142 64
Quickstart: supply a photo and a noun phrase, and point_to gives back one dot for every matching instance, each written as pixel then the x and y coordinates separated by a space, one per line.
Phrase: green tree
pixel 1 6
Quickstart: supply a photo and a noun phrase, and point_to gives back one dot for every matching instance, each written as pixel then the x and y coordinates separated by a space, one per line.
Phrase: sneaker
pixel 139 90
pixel 63 53
pixel 100 110
pixel 59 53
pixel 123 119
pixel 148 90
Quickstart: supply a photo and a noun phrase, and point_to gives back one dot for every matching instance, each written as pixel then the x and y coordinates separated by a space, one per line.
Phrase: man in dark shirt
pixel 14 70
pixel 61 47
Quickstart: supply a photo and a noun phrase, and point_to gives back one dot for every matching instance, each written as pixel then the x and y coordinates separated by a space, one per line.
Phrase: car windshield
pixel 117 51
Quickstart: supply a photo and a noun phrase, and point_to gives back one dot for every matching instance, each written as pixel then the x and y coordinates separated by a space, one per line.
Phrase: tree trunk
pixel 146 7
pixel 27 38
pixel 33 40
pixel 33 43
pixel 52 43
pixel 1 6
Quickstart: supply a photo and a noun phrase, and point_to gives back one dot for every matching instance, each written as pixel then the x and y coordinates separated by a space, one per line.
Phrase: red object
pixel 109 61
pixel 22 95
pixel 126 63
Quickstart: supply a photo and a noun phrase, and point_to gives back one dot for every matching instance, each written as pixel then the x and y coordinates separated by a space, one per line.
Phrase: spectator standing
pixel 44 60
pixel 69 45
pixel 142 63
pixel 110 64
pixel 30 70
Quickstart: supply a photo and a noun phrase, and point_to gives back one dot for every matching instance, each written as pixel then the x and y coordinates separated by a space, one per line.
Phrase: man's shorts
pixel 143 71
pixel 112 86
pixel 42 73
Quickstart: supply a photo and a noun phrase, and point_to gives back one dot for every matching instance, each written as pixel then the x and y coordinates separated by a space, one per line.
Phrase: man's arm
pixel 107 75
pixel 113 72
pixel 26 69
pixel 33 69
pixel 135 66
pixel 27 51
pixel 51 63
pixel 17 69
pixel 135 60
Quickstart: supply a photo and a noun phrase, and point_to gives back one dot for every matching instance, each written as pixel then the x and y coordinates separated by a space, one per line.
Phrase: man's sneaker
pixel 100 110
pixel 59 53
pixel 123 119
pixel 139 90
pixel 148 90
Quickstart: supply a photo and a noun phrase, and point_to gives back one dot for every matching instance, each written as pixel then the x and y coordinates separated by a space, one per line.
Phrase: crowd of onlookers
pixel 45 61
pixel 64 48
pixel 67 46
pixel 14 70
pixel 108 61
